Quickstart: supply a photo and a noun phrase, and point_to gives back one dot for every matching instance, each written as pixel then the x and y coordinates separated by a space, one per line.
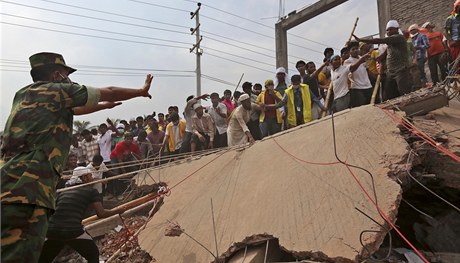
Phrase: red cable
pixel 409 126
pixel 368 196
pixel 384 215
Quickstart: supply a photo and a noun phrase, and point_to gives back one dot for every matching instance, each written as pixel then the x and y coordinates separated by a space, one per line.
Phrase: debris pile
pixel 293 197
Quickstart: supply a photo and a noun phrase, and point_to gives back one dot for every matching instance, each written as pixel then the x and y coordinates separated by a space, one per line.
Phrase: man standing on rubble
pixel 238 132
pixel 397 81
pixel 34 152
pixel 65 225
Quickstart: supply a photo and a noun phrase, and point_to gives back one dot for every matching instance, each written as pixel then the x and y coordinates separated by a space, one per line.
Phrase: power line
pixel 104 67
pixel 162 6
pixel 258 23
pixel 96 18
pixel 86 35
pixel 237 62
pixel 110 74
pixel 116 14
pixel 233 55
pixel 257 33
pixel 218 80
pixel 242 42
pixel 97 30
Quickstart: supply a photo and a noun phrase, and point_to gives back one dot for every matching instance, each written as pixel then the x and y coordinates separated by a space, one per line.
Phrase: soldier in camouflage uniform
pixel 35 147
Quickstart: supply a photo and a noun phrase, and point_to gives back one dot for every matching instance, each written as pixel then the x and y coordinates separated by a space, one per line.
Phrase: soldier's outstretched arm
pixel 90 109
pixel 111 97
pixel 114 94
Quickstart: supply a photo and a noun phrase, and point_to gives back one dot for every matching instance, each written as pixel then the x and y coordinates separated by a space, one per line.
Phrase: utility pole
pixel 198 51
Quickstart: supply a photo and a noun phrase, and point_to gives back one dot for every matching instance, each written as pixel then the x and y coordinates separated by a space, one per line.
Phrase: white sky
pixel 99 58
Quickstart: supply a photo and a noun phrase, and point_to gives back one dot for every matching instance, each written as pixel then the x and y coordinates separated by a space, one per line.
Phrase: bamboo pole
pixel 129 205
pixel 328 97
pixel 352 31
pixel 329 90
pixel 237 85
pixel 376 88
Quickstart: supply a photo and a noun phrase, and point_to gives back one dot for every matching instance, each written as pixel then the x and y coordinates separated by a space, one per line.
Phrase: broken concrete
pixel 309 208
pixel 419 102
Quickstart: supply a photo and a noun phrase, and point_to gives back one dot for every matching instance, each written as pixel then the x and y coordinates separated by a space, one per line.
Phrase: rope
pixel 409 126
pixel 347 165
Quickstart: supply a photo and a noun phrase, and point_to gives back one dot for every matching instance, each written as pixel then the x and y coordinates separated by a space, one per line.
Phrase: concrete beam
pixel 294 20
pixel 281 47
pixel 309 12
pixel 384 14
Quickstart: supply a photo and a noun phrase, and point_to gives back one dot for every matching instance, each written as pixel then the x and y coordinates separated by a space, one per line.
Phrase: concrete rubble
pixel 267 189
pixel 286 199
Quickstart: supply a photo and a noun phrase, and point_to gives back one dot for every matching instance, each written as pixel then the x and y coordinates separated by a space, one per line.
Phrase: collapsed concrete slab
pixel 268 188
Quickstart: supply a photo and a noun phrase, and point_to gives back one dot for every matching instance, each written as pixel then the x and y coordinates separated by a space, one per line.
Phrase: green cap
pixel 47 58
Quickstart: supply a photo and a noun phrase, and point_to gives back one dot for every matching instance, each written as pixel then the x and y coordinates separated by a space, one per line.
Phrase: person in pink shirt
pixel 228 101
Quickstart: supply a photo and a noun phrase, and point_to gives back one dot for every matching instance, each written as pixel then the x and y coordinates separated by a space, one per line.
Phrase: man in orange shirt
pixel 435 52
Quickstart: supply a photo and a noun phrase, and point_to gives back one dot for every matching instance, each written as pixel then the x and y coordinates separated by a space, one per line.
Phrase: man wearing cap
pixel 202 129
pixel 65 225
pixel 452 30
pixel 188 114
pixel 281 80
pixel 298 100
pixel 438 48
pixel 421 44
pixel 253 123
pixel 238 132
pixel 270 117
pixel 397 74
pixel 36 144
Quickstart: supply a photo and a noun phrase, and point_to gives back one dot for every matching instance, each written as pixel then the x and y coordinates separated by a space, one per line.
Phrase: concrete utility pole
pixel 198 51
pixel 294 19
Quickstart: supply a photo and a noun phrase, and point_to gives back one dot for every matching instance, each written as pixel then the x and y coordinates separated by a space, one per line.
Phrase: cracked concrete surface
pixel 263 189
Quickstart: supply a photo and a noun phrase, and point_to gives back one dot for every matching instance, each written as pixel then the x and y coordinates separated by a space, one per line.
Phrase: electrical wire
pixel 93 36
pixel 237 62
pixel 426 188
pixel 256 22
pixel 150 38
pixel 14 61
pixel 374 202
pixel 162 6
pixel 96 18
pixel 97 30
pixel 116 14
pixel 237 56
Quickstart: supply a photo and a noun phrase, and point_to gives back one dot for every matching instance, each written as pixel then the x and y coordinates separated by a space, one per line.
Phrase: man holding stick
pixel 397 82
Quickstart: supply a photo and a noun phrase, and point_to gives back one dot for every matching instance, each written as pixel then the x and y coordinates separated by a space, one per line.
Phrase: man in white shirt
pixel 218 112
pixel 203 129
pixel 105 142
pixel 188 114
pixel 238 132
pixel 339 77
pixel 361 87
pixel 97 168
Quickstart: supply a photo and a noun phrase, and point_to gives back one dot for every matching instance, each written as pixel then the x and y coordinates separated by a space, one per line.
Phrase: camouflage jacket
pixel 37 140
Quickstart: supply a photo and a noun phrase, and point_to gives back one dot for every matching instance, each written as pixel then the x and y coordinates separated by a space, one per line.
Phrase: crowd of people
pixel 34 156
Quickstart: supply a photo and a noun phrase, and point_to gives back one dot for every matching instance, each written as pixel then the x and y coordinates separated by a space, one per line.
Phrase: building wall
pixel 408 12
